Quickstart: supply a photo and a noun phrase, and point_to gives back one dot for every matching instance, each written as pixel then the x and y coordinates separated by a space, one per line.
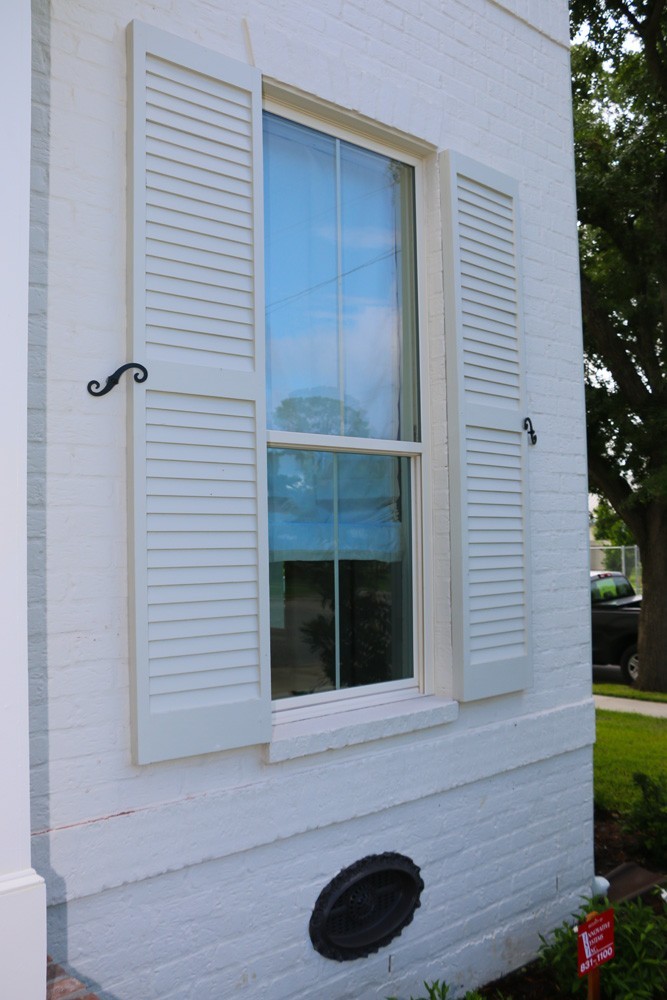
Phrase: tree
pixel 610 528
pixel 620 114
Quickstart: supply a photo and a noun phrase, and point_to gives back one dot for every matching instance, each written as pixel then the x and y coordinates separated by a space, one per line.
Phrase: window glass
pixel 340 281
pixel 301 268
pixel 610 588
pixel 372 191
pixel 340 556
pixel 341 325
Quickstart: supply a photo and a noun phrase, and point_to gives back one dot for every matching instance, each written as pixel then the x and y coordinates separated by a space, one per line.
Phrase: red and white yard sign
pixel 595 941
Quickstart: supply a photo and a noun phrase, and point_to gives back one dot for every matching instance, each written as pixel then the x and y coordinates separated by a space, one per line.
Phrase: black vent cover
pixel 365 906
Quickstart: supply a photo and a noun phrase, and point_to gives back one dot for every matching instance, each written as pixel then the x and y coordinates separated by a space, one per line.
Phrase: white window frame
pixel 339 125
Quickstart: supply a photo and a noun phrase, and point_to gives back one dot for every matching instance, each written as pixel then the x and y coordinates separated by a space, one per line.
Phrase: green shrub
pixel 436 991
pixel 637 972
pixel 648 818
pixel 440 991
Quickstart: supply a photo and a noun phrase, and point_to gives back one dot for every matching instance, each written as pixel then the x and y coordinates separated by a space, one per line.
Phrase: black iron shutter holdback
pixel 113 380
pixel 528 428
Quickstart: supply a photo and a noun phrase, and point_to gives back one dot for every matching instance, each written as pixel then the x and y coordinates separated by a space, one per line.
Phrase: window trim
pixel 373 718
pixel 319 703
pixel 290 102
pixel 369 135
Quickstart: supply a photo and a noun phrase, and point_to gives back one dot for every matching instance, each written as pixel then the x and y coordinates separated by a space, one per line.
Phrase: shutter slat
pixel 207 91
pixel 236 632
pixel 206 167
pixel 232 598
pixel 228 652
pixel 197 571
pixel 237 546
pixel 491 624
pixel 206 679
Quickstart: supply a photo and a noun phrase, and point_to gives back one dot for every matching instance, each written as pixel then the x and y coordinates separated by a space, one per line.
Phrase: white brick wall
pixel 201 874
pixel 501 861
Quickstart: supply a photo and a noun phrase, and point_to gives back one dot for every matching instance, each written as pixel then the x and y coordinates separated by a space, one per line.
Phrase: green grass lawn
pixel 624 691
pixel 626 743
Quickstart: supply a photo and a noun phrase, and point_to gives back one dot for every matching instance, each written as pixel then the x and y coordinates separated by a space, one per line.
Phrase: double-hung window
pixel 342 410
pixel 279 521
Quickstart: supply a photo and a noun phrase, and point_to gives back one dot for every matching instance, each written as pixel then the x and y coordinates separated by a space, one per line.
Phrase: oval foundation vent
pixel 365 906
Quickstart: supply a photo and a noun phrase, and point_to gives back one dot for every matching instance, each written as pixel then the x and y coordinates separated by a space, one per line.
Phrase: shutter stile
pixel 491 621
pixel 199 547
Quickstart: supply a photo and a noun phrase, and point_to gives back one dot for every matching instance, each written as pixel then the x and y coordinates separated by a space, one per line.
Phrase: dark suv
pixel 615 620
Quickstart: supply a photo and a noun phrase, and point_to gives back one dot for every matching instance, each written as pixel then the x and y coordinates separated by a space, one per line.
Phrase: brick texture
pixel 61 986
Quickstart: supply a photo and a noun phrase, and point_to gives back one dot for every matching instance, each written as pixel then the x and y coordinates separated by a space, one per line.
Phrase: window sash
pixel 401 223
pixel 335 442
pixel 342 310
pixel 317 114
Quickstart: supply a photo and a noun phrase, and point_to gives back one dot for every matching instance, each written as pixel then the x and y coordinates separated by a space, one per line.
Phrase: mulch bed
pixel 612 847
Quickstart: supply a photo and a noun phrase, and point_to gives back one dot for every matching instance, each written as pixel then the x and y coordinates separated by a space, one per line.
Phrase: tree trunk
pixel 653 619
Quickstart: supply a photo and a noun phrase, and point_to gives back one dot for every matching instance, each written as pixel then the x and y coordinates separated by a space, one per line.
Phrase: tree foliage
pixel 619 65
pixel 609 527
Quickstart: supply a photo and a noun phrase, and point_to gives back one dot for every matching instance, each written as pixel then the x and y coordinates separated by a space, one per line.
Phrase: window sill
pixel 362 724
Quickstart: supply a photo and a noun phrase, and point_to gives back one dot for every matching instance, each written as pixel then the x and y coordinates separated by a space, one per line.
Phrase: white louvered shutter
pixel 197 425
pixel 490 600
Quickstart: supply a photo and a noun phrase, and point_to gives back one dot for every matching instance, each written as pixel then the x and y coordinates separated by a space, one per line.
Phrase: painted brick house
pixel 304 588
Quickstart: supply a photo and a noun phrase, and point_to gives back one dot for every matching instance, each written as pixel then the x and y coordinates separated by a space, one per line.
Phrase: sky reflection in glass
pixel 341 323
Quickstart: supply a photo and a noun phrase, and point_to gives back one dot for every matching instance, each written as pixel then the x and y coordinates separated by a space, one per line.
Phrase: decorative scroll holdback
pixel 528 428
pixel 113 380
